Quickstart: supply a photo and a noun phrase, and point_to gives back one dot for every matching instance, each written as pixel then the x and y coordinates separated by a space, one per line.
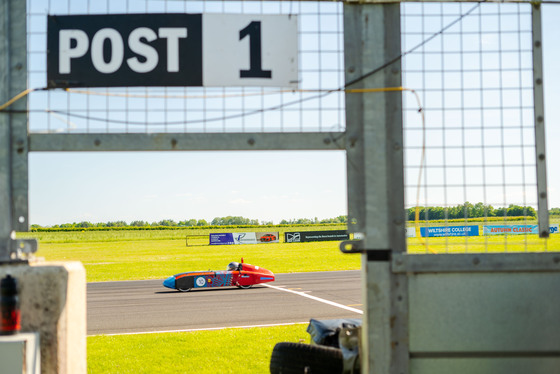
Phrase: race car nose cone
pixel 169 282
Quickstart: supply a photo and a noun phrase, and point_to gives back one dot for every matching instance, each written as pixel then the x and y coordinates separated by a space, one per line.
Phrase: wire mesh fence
pixel 310 107
pixel 470 164
pixel 470 159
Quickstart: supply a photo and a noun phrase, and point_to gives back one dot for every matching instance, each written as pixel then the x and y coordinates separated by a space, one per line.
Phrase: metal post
pixel 538 97
pixel 374 148
pixel 13 127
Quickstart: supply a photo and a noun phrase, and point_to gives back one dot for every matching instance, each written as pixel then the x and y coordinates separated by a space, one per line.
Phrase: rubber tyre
pixel 296 358
pixel 183 289
pixel 245 287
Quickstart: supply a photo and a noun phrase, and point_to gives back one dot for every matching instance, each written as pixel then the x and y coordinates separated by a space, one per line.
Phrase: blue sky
pixel 100 187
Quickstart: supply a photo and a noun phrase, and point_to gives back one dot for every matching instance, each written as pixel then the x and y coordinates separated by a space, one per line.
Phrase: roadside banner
pixel 515 229
pixel 315 236
pixel 224 238
pixel 228 238
pixel 449 231
pixel 268 237
pixel 244 238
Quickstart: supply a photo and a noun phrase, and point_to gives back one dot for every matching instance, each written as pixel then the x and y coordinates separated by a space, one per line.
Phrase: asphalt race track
pixel 147 306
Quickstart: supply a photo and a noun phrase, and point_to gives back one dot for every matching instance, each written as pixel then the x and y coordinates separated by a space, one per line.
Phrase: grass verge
pixel 222 351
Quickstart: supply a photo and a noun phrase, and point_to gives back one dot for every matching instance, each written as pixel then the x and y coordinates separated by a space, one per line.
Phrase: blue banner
pixel 516 229
pixel 449 231
pixel 225 238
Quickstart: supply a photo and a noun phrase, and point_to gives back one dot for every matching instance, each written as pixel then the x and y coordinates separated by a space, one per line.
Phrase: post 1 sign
pixel 172 50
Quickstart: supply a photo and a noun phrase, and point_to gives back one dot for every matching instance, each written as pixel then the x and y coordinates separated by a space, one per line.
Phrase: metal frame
pixel 186 142
pixel 540 141
pixel 374 150
pixel 13 126
pixel 373 142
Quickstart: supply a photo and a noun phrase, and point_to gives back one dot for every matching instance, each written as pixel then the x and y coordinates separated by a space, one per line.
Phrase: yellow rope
pixel 16 98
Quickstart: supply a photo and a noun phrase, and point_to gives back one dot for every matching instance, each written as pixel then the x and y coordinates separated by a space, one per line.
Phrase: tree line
pixel 461 211
pixel 468 210
pixel 218 221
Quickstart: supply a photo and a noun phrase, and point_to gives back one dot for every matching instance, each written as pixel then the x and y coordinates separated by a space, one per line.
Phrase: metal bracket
pixel 352 246
pixel 359 246
pixel 21 249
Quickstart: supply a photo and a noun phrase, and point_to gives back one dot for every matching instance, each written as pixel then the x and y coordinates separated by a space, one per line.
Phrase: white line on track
pixel 316 298
pixel 204 329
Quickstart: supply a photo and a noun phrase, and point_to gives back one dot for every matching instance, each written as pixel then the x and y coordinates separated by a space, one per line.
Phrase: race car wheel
pixel 245 287
pixel 296 358
pixel 184 289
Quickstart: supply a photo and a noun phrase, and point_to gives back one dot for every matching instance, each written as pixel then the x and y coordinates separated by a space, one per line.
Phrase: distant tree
pixel 231 220
pixel 201 222
pixel 554 211
pixel 167 222
pixel 139 223
pixel 521 211
pixel 117 224
pixel 84 224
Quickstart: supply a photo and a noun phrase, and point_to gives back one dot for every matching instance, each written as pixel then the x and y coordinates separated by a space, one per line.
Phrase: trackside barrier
pixel 473 230
pixel 515 229
pixel 315 236
pixel 449 231
pixel 228 238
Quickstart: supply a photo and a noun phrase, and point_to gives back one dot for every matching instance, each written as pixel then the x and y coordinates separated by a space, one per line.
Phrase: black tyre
pixel 245 287
pixel 184 289
pixel 296 358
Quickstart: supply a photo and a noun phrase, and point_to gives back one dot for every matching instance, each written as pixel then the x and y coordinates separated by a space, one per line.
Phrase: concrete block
pixel 53 303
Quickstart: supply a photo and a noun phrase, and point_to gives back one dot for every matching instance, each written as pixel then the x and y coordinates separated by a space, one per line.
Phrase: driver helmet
pixel 233 266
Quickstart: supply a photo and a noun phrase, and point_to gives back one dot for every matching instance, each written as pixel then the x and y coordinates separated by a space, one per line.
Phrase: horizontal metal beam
pixel 187 142
pixel 448 1
pixel 476 262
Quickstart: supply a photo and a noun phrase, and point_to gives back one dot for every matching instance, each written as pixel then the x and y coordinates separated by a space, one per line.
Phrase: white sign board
pixel 258 50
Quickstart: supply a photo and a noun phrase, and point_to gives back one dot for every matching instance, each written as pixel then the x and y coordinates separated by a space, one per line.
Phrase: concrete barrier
pixel 53 303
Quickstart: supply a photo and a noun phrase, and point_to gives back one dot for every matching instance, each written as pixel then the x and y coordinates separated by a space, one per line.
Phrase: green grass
pixel 134 255
pixel 130 255
pixel 222 351
pixel 480 244
pixel 157 259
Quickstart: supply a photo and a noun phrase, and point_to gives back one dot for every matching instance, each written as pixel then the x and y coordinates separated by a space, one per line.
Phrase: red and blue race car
pixel 237 274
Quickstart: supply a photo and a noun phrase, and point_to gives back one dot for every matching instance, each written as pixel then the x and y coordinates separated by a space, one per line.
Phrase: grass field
pixel 122 255
pixel 223 351
pixel 129 255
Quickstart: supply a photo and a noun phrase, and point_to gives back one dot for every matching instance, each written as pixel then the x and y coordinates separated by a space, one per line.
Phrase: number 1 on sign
pixel 253 29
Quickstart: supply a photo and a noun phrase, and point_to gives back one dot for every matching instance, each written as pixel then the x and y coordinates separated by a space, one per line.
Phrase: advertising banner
pixel 243 238
pixel 268 237
pixel 515 229
pixel 449 231
pixel 315 236
pixel 225 238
